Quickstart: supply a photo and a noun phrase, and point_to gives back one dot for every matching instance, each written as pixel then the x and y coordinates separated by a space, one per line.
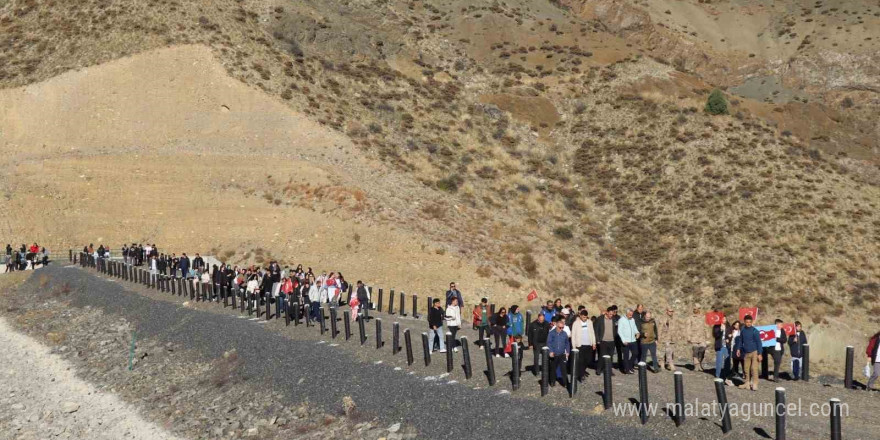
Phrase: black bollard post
pixel 366 307
pixel 70 254
pixel 415 307
pixel 805 368
pixel 780 413
pixel 449 352
pixel 379 303
pixel 192 290
pixel 225 292
pixel 607 393
pixel 835 419
pixel 515 367
pixel 678 409
pixel 536 356
pixel 430 301
pixel 296 313
pixel 573 383
pixel 333 326
pixel 395 337
pixel 466 357
pixel 346 324
pixel 490 361
pixel 407 340
pixel 545 370
pixel 491 309
pixel 286 315
pixel 848 374
pixel 391 302
pixel 643 392
pixel 721 394
pixel 322 322
pixel 426 350
pixel 350 289
pixel 402 304
pixel 307 311
pixel 528 326
pixel 379 342
pixel 363 331
pixel 278 307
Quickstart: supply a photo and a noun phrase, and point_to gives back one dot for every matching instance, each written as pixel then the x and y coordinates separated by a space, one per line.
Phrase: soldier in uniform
pixel 670 328
pixel 697 337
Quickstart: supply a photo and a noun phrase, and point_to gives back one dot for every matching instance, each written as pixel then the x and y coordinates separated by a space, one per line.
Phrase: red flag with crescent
pixel 753 311
pixel 714 318
pixel 533 295
pixel 789 328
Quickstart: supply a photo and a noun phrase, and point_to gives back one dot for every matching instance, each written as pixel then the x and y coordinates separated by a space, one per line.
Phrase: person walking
pixel 453 292
pixel 796 343
pixel 606 334
pixel 453 321
pixel 778 349
pixel 435 326
pixel 721 332
pixel 583 337
pixel 629 334
pixel 670 331
pixel 873 355
pixel 183 265
pixel 363 296
pixel 499 331
pixel 558 344
pixel 736 360
pixel 648 340
pixel 750 350
pixel 481 320
pixel 515 324
pixel 538 331
pixel 696 337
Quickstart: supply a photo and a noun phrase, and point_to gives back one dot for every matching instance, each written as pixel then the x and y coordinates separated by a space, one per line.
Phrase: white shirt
pixel 778 344
pixel 453 316
pixel 567 331
pixel 877 357
pixel 585 332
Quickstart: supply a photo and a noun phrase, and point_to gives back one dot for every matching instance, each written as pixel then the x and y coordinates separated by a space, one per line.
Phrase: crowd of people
pixel 25 257
pixel 632 337
pixel 627 338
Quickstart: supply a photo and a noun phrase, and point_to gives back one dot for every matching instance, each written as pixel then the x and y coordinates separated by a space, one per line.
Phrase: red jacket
pixel 871 351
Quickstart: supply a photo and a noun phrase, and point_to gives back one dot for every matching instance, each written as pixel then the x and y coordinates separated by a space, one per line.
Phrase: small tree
pixel 716 104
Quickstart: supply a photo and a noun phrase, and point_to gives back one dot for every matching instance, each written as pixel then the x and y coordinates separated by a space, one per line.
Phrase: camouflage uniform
pixel 696 337
pixel 669 328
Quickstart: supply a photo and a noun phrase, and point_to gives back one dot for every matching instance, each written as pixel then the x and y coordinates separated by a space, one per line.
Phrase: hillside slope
pixel 527 144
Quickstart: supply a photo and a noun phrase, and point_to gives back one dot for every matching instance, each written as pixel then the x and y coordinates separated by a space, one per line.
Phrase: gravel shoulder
pixel 42 397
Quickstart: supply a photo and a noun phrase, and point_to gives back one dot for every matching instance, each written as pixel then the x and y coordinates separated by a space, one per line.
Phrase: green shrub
pixel 563 232
pixel 716 104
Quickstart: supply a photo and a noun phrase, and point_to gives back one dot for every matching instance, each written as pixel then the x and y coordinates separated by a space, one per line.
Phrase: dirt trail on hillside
pixel 43 398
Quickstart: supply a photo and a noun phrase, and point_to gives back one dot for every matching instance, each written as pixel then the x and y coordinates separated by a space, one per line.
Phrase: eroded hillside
pixel 538 145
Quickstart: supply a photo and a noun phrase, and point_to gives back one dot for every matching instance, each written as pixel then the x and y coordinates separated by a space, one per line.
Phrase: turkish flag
pixel 533 295
pixel 789 328
pixel 714 318
pixel 743 311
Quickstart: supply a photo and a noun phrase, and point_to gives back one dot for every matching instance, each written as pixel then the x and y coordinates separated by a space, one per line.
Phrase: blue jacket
pixel 751 340
pixel 515 324
pixel 557 342
pixel 548 314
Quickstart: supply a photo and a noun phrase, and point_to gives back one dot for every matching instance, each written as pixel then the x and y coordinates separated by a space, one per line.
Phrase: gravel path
pixel 42 398
pixel 316 372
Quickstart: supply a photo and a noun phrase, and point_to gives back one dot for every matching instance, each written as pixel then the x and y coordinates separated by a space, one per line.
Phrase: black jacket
pixel 436 317
pixel 599 329
pixel 362 296
pixel 796 343
pixel 782 339
pixel 721 338
pixel 538 333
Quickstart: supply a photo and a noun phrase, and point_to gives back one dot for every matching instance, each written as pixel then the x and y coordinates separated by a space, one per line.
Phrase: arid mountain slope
pixel 536 144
